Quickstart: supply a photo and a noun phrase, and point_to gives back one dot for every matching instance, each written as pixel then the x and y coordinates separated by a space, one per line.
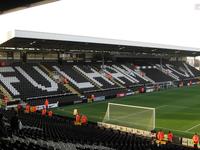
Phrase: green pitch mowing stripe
pixel 177 109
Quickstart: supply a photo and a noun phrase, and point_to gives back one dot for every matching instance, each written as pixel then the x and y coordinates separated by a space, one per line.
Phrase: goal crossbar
pixel 131 106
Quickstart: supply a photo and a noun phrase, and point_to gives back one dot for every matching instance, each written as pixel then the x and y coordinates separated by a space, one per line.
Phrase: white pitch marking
pixel 193 127
pixel 174 130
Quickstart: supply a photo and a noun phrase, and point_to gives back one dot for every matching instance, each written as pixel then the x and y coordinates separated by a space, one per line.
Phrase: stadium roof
pixel 20 39
pixel 13 5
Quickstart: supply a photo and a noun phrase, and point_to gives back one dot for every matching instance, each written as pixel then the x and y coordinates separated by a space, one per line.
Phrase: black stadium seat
pixel 61 129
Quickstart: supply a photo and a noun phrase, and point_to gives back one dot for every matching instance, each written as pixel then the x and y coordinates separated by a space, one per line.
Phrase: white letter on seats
pixel 54 85
pixel 117 75
pixel 8 80
pixel 94 75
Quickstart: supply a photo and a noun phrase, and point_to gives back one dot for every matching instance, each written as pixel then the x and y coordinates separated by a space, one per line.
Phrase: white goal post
pixel 137 117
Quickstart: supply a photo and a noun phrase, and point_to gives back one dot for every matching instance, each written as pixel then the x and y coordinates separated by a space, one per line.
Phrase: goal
pixel 137 117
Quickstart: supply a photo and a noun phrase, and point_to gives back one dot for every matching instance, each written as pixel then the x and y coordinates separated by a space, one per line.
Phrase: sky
pixel 172 22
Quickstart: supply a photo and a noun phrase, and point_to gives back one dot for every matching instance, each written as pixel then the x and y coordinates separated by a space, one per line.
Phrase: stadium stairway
pixel 67 86
pixel 46 69
pixel 71 89
pixel 5 92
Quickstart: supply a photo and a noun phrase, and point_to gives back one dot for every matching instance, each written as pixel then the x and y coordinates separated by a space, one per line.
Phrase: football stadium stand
pixel 40 132
pixel 67 70
pixel 31 82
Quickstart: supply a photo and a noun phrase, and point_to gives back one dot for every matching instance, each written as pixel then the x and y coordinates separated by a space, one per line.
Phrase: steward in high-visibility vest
pixel 83 119
pixel 195 139
pixel 66 81
pixel 170 136
pixel 78 118
pixel 160 135
pixel 27 110
pixel 50 113
pixel 46 103
pixel 34 108
pixel 44 111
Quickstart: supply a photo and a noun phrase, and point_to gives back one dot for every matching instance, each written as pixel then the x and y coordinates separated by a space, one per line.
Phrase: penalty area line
pixel 193 127
pixel 174 130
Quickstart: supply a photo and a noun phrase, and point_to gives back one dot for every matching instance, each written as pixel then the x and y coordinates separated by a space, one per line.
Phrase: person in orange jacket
pixel 78 118
pixel 34 108
pixel 27 109
pixel 50 113
pixel 44 111
pixel 46 103
pixel 170 136
pixel 83 119
pixel 195 139
pixel 160 135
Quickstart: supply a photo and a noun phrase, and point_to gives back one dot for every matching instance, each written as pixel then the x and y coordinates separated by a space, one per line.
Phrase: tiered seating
pixel 179 69
pixel 95 76
pixel 135 73
pixel 18 145
pixel 28 81
pixel 118 75
pixel 31 81
pixel 74 77
pixel 169 71
pixel 62 130
pixel 194 70
pixel 86 79
pixel 156 75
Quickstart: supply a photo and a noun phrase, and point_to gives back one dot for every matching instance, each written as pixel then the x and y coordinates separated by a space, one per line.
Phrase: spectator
pixel 3 129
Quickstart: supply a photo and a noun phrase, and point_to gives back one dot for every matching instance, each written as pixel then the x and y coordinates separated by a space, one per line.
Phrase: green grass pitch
pixel 177 109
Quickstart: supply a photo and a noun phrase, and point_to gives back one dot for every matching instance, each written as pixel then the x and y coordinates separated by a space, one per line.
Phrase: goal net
pixel 130 116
